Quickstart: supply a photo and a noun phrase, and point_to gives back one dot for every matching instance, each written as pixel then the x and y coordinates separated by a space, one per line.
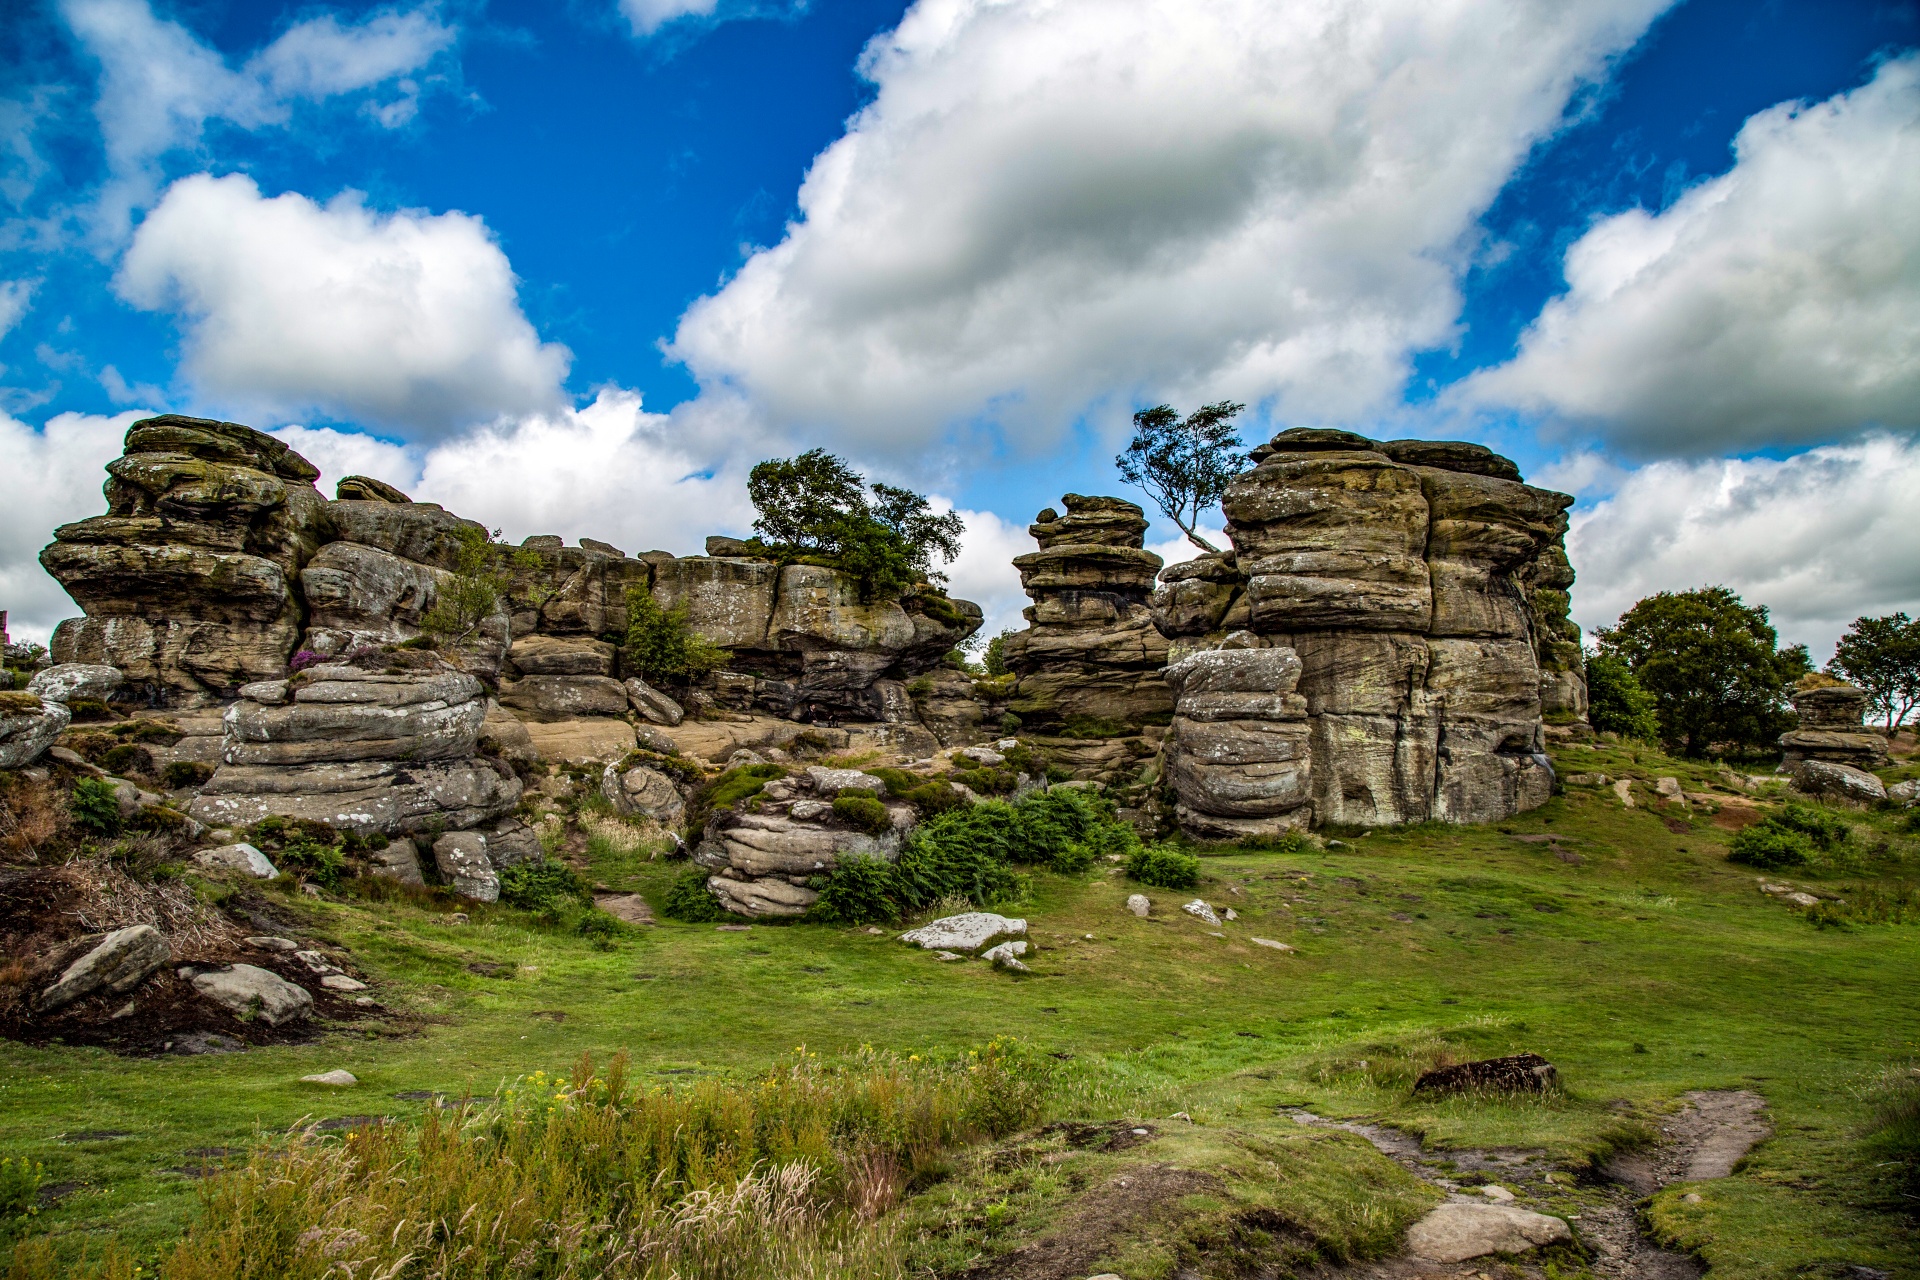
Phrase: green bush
pixel 324 864
pixel 662 648
pixel 860 808
pixel 1054 825
pixel 962 853
pixel 900 783
pixel 1769 846
pixel 1827 832
pixel 1615 701
pixel 690 901
pixel 1163 867
pixel 860 891
pixel 186 773
pixel 127 758
pixel 542 886
pixel 599 928
pixel 934 798
pixel 95 806
pixel 88 709
pixel 735 785
pixel 20 1180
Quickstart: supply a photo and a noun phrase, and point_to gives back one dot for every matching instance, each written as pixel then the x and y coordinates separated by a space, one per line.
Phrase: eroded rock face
pixel 1238 755
pixel 29 725
pixel 1422 588
pixel 1830 728
pixel 762 859
pixel 186 581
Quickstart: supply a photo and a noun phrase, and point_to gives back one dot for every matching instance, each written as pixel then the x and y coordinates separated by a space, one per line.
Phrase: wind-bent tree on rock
pixel 817 507
pixel 1882 657
pixel 1712 664
pixel 1184 464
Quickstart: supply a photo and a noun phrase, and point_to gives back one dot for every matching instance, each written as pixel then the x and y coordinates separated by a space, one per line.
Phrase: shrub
pixel 860 808
pixel 960 854
pixel 542 886
pixel 1769 846
pixel 735 785
pixel 662 648
pixel 1290 842
pixel 324 864
pixel 127 758
pixel 899 782
pixel 1164 867
pixel 1054 825
pixel 690 901
pixel 933 798
pixel 19 1189
pixel 860 891
pixel 1615 701
pixel 1827 832
pixel 599 928
pixel 186 773
pixel 95 806
pixel 85 709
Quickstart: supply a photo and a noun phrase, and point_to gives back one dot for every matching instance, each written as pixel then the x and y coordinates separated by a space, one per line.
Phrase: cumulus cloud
pixel 1048 205
pixel 15 296
pixel 1779 302
pixel 408 320
pixel 1821 537
pixel 160 83
pixel 984 571
pixel 339 454
pixel 52 477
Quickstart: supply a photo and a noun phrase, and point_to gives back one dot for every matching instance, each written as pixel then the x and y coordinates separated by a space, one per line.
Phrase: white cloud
pixel 339 454
pixel 52 477
pixel 647 16
pixel 1177 550
pixel 1051 203
pixel 1821 537
pixel 984 571
pixel 407 320
pixel 160 83
pixel 15 297
pixel 1779 302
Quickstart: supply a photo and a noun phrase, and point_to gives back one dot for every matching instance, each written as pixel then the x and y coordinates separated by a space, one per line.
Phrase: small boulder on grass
pixel 1515 1073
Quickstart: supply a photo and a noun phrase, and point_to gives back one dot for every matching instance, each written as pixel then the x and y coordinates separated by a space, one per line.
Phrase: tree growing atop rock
pixel 1184 464
pixel 470 593
pixel 662 647
pixel 1713 666
pixel 816 508
pixel 1881 656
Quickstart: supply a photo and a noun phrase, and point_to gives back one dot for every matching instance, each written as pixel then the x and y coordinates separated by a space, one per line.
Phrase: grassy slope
pixel 1647 967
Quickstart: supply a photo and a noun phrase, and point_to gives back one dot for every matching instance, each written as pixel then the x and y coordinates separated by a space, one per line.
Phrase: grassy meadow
pixel 1618 942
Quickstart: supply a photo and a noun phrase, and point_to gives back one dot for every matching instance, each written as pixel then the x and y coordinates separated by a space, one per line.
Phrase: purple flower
pixel 302 660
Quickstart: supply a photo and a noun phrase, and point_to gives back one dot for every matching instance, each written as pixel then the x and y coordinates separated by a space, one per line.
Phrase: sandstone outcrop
pixel 187 581
pixel 1422 587
pixel 1830 727
pixel 29 725
pixel 384 743
pixel 1238 756
pixel 762 859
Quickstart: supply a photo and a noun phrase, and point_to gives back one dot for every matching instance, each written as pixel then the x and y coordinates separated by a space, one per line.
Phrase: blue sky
pixel 555 265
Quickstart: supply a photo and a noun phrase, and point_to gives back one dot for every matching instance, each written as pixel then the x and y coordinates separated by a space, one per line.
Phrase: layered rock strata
pixel 763 858
pixel 188 580
pixel 1406 577
pixel 1830 727
pixel 372 746
pixel 1239 756
pixel 1090 659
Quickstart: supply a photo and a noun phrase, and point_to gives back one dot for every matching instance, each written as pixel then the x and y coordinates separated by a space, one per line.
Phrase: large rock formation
pixel 1412 580
pixel 188 580
pixel 764 857
pixel 1239 756
pixel 1830 728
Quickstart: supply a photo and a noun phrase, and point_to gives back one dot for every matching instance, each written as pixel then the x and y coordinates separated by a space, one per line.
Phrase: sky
pixel 574 267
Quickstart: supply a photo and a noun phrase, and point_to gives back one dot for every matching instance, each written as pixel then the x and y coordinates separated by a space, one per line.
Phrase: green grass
pixel 1627 950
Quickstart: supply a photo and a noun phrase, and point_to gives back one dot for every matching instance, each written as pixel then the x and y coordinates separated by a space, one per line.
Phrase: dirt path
pixel 1704 1140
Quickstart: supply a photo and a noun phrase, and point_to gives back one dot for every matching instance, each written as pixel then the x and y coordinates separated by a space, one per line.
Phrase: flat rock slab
pixel 966 933
pixel 120 962
pixel 582 741
pixel 339 1078
pixel 1456 1232
pixel 630 907
pixel 248 991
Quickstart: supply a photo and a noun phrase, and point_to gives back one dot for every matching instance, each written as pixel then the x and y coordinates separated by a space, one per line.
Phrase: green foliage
pixel 1882 657
pixel 324 864
pixel 994 660
pixel 1712 664
pixel 1893 1127
pixel 599 928
pixel 735 785
pixel 1825 830
pixel 127 758
pixel 1164 867
pixel 1184 464
pixel 1054 826
pixel 860 808
pixel 933 798
pixel 1615 701
pixel 471 593
pixel 661 647
pixel 884 537
pixel 1770 846
pixel 186 773
pixel 95 807
pixel 310 850
pixel 860 891
pixel 20 1180
pixel 899 782
pixel 690 901
pixel 1288 842
pixel 542 886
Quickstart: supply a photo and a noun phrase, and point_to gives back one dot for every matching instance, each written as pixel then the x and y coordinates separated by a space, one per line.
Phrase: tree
pixel 1712 665
pixel 1882 657
pixel 884 537
pixel 471 592
pixel 1615 701
pixel 661 647
pixel 995 658
pixel 1184 464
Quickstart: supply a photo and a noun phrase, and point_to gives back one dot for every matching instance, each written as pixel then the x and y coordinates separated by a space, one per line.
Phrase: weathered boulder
pixel 248 991
pixel 70 680
pixel 589 740
pixel 562 590
pixel 242 857
pixel 791 835
pixel 358 595
pixel 390 797
pixel 119 963
pixel 461 857
pixel 1905 794
pixel 644 792
pixel 367 489
pixel 186 581
pixel 29 725
pixel 1238 754
pixel 967 933
pixel 652 704
pixel 771 897
pixel 345 713
pixel 1839 782
pixel 513 842
pixel 417 531
pixel 1422 587
pixel 564 697
pixel 1830 728
pixel 1456 1231
pixel 542 655
pixel 400 860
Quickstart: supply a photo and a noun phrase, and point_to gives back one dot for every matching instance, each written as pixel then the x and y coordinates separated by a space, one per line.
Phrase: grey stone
pixel 1270 943
pixel 238 857
pixel 367 796
pixel 653 704
pixel 565 697
pixel 1007 955
pixel 1905 793
pixel 1139 904
pixel 329 732
pixel 400 860
pixel 829 782
pixel 984 755
pixel 27 734
pixel 766 896
pixel 644 792
pixel 69 680
pixel 541 655
pixel 247 991
pixel 968 932
pixel 462 859
pixel 341 982
pixel 268 942
pixel 336 1078
pixel 512 843
pixel 120 962
pixel 1199 910
pixel 1837 782
pixel 1456 1232
pixel 268 693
